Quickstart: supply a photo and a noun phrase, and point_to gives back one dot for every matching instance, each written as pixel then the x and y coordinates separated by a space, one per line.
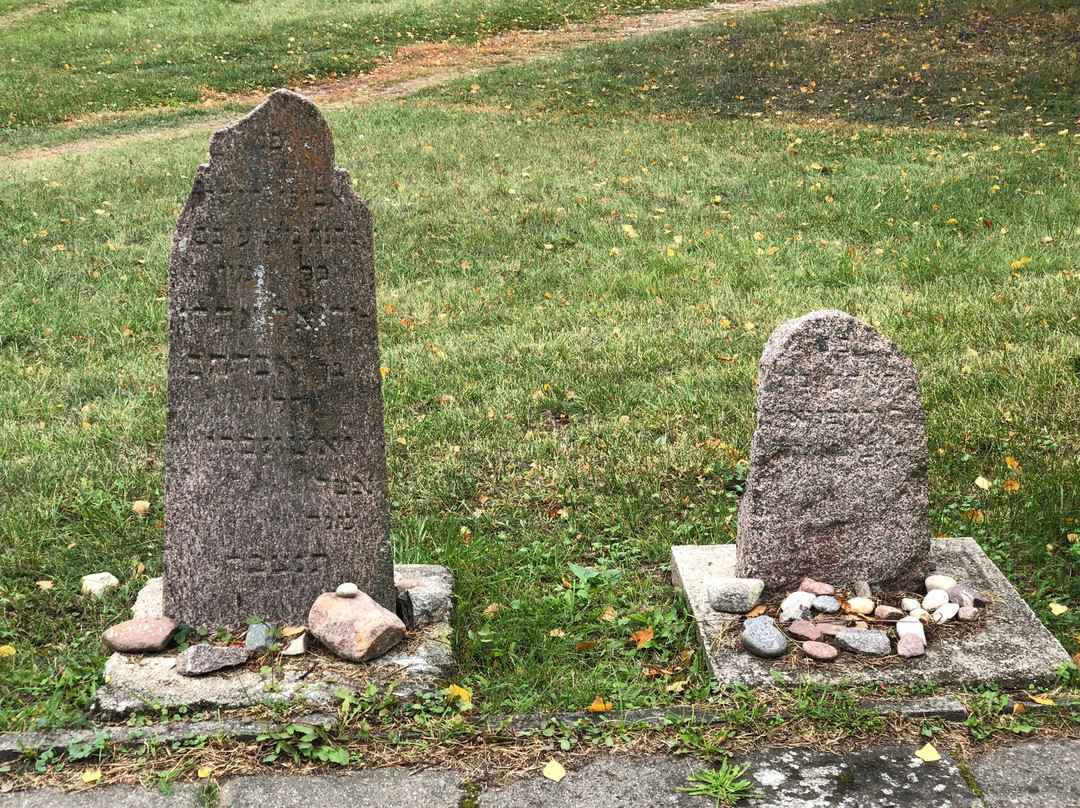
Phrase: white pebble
pixel 935 598
pixel 862 605
pixel 910 604
pixel 940 582
pixel 946 612
pixel 910 625
pixel 804 599
pixel 347 590
pixel 99 583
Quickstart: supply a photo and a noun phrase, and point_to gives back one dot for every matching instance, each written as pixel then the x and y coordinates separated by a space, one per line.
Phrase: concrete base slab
pixel 1031 775
pixel 151 683
pixel 872 778
pixel 1012 649
pixel 371 788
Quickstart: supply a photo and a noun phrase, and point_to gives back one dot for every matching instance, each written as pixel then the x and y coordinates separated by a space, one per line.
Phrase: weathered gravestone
pixel 837 487
pixel 275 459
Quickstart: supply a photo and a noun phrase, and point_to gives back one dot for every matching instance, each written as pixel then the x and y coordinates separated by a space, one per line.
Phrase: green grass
pixel 572 304
pixel 90 56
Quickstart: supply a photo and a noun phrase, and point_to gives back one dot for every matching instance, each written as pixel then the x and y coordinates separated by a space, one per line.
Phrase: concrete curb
pixel 13 744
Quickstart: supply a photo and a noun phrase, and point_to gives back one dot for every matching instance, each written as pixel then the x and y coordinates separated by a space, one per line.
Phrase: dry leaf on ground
pixel 554 771
pixel 44 584
pixel 141 507
pixel 1057 609
pixel 599 705
pixel 642 637
pixel 928 754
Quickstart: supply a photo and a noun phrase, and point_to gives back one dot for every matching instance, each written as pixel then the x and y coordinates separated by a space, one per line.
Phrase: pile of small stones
pixel 814 612
pixel 346 622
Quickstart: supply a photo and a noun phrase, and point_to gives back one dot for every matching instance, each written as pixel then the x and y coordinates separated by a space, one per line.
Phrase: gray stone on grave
pixel 275 458
pixel 837 487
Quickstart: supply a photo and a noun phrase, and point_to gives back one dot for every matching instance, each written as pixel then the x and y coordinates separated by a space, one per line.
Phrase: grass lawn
pixel 578 264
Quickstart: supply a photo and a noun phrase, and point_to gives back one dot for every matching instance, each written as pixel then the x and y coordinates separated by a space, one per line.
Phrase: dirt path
pixel 415 67
pixel 20 14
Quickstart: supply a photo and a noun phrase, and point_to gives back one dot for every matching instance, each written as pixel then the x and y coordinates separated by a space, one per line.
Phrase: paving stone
pixel 1031 775
pixel 365 788
pixel 182 796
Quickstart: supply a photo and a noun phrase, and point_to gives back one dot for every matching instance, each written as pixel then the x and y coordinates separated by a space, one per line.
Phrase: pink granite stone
pixel 911 645
pixel 837 488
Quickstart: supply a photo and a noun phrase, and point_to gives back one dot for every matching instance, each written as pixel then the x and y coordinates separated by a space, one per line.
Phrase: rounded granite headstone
pixel 275 459
pixel 837 487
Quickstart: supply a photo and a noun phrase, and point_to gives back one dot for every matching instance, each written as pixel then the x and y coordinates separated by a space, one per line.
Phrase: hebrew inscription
pixel 837 488
pixel 275 458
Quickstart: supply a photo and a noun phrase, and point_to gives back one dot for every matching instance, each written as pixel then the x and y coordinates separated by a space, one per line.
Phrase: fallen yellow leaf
pixel 554 771
pixel 928 754
pixel 6 651
pixel 493 609
pixel 757 611
pixel 205 772
pixel 1012 462
pixel 608 614
pixel 292 631
pixel 1045 702
pixel 141 507
pixel 974 515
pixel 1057 608
pixel 1011 486
pixel 556 632
pixel 599 705
pixel 457 691
pixel 1019 708
pixel 983 483
pixel 91 777
pixel 44 584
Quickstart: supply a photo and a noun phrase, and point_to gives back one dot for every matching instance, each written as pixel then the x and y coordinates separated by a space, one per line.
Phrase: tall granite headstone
pixel 837 487
pixel 275 487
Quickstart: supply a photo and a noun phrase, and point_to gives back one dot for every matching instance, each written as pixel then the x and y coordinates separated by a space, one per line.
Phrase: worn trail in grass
pixel 407 70
pixel 577 270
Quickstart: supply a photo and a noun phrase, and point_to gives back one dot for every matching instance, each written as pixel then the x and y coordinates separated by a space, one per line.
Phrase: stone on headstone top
pixel 837 487
pixel 275 458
